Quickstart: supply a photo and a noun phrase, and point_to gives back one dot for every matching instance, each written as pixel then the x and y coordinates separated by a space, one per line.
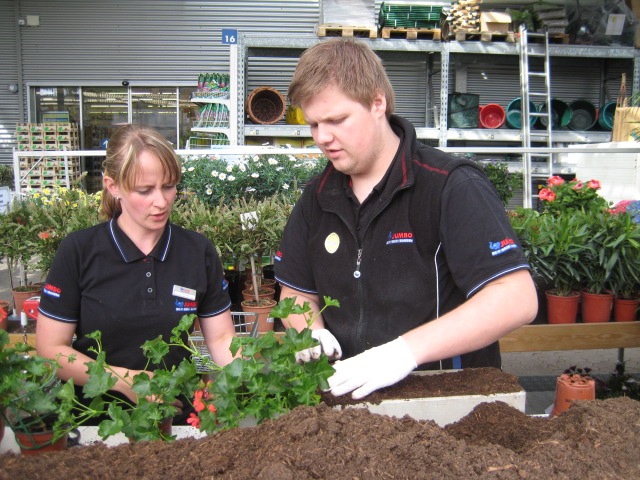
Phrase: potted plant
pixel 624 280
pixel 255 228
pixel 264 380
pixel 504 181
pixel 574 384
pixel 28 398
pixel 553 245
pixel 149 418
pixel 610 262
pixel 18 240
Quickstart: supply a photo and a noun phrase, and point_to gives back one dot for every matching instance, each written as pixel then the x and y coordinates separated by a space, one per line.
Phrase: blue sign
pixel 104 143
pixel 229 36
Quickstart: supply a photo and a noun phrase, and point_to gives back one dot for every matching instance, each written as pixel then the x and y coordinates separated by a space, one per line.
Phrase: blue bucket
pixel 605 116
pixel 514 113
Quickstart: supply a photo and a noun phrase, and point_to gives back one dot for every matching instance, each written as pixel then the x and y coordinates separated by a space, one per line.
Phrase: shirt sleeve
pixel 216 297
pixel 292 266
pixel 60 297
pixel 476 234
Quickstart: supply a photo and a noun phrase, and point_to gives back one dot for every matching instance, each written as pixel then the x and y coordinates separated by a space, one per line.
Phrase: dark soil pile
pixel 596 439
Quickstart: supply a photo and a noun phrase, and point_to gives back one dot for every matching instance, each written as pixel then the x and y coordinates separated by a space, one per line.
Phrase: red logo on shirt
pixel 278 256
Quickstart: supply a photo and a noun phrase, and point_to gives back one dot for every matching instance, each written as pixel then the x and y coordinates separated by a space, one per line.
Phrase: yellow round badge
pixel 332 242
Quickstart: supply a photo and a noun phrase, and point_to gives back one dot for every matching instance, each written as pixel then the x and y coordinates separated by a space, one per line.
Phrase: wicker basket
pixel 265 105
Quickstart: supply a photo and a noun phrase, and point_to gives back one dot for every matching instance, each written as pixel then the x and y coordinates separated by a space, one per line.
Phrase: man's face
pixel 346 131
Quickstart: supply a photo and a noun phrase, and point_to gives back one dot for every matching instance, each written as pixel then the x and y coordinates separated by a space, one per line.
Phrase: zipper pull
pixel 357 274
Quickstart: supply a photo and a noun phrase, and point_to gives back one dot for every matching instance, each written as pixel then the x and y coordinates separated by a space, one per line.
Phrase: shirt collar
pixel 130 252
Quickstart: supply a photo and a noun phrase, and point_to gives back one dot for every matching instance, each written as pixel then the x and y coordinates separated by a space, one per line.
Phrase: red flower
pixel 595 184
pixel 198 403
pixel 555 180
pixel 44 235
pixel 547 195
pixel 193 420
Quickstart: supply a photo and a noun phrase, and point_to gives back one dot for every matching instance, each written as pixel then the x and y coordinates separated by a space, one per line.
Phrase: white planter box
pixel 442 410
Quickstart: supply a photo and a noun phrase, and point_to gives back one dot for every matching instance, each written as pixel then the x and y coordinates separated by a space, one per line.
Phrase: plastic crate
pixel 246 325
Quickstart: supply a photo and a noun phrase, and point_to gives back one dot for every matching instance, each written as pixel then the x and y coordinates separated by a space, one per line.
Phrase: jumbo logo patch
pixel 399 237
pixel 498 248
pixel 186 306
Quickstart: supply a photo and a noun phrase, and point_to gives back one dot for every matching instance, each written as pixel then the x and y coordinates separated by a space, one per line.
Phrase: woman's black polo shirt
pixel 101 281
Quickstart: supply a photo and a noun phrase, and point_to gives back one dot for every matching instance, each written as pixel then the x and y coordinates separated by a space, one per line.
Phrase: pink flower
pixel 547 195
pixel 555 180
pixel 595 184
pixel 578 186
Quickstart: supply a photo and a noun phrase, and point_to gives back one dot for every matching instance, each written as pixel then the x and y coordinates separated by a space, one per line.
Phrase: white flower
pixel 222 176
pixel 209 191
pixel 183 170
pixel 285 186
pixel 272 161
pixel 256 158
pixel 250 189
pixel 229 168
pixel 215 174
pixel 292 158
pixel 255 175
pixel 231 178
pixel 242 167
pixel 191 169
pixel 279 169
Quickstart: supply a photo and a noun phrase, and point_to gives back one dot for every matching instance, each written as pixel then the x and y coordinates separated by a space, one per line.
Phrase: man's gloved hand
pixel 328 344
pixel 373 369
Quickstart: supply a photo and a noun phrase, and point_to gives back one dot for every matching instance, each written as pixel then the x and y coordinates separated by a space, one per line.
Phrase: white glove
pixel 373 369
pixel 328 344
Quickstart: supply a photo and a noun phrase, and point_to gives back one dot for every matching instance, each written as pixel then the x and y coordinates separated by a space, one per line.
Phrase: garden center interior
pixel 97 65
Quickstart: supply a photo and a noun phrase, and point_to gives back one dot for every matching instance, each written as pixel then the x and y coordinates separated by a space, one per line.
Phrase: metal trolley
pixel 246 325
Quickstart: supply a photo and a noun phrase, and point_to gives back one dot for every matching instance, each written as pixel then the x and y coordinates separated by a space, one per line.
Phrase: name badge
pixel 184 292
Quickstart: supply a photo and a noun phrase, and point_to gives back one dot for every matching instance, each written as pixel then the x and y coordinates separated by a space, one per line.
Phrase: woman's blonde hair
pixel 348 64
pixel 122 161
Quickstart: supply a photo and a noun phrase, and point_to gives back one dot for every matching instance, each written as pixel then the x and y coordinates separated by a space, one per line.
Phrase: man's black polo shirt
pixel 101 281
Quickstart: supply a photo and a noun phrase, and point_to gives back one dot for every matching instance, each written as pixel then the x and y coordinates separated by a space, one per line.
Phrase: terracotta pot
pixel 596 307
pixel 264 292
pixel 625 310
pixel 4 305
pixel 36 443
pixel 561 308
pixel 4 320
pixel 264 282
pixel 265 322
pixel 21 294
pixel 570 388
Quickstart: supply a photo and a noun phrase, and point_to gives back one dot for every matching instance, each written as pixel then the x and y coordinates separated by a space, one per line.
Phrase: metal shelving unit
pixel 292 46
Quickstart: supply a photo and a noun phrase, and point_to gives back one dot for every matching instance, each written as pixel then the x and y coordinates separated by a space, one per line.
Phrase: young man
pixel 414 243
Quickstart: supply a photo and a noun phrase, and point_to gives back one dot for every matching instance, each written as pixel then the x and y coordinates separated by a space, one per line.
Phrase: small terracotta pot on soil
pixel 625 310
pixel 264 282
pixel 570 388
pixel 263 309
pixel 31 443
pixel 562 308
pixel 596 307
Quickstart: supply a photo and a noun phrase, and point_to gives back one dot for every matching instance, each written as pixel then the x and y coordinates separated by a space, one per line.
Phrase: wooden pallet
pixel 346 31
pixel 466 36
pixel 411 33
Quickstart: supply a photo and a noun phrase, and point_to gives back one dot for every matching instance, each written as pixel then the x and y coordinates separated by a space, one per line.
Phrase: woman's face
pixel 146 208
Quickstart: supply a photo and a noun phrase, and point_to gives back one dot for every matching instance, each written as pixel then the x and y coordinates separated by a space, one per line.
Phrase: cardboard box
pixel 495 22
